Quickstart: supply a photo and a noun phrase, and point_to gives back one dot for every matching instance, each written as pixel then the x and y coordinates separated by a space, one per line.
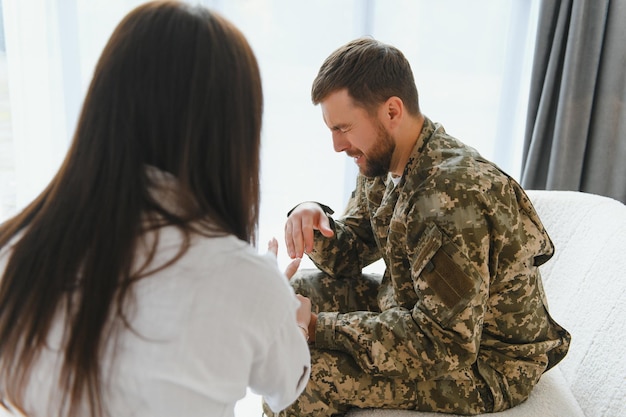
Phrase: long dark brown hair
pixel 178 88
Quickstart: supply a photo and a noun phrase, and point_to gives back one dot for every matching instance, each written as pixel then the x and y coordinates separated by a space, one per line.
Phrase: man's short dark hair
pixel 371 71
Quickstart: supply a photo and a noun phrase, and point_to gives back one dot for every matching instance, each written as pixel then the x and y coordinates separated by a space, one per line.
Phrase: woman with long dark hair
pixel 129 286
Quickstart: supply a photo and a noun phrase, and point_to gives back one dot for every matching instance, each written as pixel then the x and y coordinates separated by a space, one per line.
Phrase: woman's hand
pixel 272 247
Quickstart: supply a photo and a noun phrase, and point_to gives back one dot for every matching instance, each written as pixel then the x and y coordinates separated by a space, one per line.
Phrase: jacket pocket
pixel 445 279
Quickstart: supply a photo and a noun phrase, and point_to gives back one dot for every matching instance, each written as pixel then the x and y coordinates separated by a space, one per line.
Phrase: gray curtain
pixel 576 128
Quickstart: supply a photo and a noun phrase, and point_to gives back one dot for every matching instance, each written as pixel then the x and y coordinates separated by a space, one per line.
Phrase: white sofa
pixel 585 283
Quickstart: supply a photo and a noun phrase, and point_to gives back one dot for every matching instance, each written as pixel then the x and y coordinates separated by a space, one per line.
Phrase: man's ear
pixel 392 111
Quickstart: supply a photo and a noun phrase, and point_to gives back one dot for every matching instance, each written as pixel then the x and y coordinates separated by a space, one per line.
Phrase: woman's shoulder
pixel 235 263
pixel 216 277
pixel 232 253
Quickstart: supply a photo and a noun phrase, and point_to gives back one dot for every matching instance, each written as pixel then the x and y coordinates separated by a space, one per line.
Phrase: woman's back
pixel 199 331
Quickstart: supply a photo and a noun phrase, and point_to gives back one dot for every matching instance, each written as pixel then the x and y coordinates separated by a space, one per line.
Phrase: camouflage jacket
pixel 462 245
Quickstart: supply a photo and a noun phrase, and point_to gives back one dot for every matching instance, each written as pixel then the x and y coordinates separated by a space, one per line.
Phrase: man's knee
pixel 331 294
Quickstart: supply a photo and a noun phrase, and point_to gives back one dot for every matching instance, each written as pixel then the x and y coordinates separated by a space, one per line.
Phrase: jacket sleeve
pixel 353 246
pixel 282 372
pixel 281 367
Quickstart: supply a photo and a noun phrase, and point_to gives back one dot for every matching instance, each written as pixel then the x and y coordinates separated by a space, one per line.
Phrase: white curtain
pixel 470 60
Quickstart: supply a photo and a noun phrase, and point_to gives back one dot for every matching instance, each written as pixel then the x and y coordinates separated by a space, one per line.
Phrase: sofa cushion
pixel 586 287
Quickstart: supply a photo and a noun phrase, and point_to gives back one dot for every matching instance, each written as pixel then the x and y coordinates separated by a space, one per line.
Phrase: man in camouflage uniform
pixel 459 322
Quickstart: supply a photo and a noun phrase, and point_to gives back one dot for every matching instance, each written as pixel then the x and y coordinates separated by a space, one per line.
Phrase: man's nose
pixel 340 143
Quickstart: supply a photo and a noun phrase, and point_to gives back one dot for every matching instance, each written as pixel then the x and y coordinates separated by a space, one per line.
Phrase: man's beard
pixel 378 159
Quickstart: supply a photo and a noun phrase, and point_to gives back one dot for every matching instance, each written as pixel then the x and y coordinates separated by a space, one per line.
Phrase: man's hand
pixel 301 223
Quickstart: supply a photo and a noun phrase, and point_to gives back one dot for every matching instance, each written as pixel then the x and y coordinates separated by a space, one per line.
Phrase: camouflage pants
pixel 338 384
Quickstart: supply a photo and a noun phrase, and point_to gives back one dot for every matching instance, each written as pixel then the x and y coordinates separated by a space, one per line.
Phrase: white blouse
pixel 219 320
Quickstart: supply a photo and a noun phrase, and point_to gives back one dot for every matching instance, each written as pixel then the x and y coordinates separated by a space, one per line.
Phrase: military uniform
pixel 459 322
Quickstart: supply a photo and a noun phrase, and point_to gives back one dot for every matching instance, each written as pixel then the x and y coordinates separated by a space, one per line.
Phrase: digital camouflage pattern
pixel 460 321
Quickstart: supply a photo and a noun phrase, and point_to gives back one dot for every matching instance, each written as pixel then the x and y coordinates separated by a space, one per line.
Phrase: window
pixel 468 59
pixel 471 62
pixel 7 159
